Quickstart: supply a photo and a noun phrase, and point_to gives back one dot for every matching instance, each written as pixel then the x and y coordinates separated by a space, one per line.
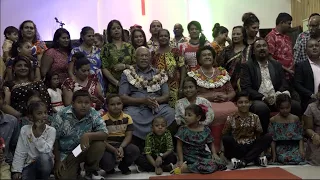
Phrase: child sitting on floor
pixel 4 167
pixel 242 140
pixel 190 97
pixel 159 155
pixel 53 84
pixel 33 156
pixel 193 139
pixel 287 133
pixel 118 145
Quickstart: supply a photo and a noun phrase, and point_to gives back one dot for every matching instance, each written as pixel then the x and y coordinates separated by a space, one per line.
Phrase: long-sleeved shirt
pixel 29 147
pixel 299 49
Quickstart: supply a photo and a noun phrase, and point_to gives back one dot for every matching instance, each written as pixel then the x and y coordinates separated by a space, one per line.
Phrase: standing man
pixel 178 36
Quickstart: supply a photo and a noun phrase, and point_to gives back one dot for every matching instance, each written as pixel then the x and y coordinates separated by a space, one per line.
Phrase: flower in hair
pixel 204 108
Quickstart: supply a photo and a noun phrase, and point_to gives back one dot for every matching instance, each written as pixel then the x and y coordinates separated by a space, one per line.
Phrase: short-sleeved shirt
pixel 117 127
pixel 245 130
pixel 7 45
pixel 59 64
pixel 313 111
pixel 111 55
pixel 154 145
pixel 70 129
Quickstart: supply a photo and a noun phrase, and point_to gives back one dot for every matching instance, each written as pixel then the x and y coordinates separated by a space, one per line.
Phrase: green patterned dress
pixel 110 56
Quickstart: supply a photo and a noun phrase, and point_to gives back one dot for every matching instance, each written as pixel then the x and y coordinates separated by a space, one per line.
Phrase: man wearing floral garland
pixel 145 93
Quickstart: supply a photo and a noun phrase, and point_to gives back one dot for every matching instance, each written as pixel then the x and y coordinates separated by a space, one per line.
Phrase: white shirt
pixel 316 75
pixel 266 86
pixel 29 147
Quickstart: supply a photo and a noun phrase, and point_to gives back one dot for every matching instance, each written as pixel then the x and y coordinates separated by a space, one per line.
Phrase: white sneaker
pixel 94 176
pixel 263 161
pixel 236 163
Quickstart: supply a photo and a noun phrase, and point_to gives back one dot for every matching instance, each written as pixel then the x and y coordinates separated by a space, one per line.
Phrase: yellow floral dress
pixel 171 62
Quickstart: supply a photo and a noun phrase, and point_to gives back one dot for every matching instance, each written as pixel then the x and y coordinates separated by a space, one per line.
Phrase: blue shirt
pixel 69 129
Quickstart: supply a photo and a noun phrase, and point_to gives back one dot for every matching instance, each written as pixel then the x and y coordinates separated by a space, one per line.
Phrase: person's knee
pixel 227 139
pixel 108 161
pixel 267 138
pixel 259 107
pixel 45 162
pixel 296 108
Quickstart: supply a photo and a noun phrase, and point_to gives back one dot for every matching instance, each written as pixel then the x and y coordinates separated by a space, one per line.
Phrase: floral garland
pixel 152 85
pixel 216 82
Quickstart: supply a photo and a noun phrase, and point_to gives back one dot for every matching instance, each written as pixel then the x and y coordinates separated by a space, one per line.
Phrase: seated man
pixel 262 77
pixel 145 93
pixel 78 124
pixel 9 131
pixel 307 74
pixel 242 140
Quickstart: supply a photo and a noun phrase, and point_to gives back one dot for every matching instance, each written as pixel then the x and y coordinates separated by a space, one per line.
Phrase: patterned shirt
pixel 70 129
pixel 6 47
pixel 245 130
pixel 266 86
pixel 280 46
pixel 117 127
pixel 158 144
pixel 299 49
pixel 175 44
pixel 153 45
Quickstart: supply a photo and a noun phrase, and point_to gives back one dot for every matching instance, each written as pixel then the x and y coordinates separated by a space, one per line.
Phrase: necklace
pixel 209 77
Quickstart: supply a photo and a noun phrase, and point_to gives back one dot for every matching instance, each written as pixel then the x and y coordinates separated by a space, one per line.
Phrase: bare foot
pixel 159 171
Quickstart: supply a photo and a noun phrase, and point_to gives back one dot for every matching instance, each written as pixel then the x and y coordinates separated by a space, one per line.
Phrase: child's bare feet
pixel 159 171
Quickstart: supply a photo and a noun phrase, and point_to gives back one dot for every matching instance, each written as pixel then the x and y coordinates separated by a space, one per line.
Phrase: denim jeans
pixel 40 169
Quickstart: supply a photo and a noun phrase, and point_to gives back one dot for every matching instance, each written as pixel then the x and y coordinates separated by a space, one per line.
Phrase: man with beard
pixel 307 74
pixel 301 43
pixel 263 78
pixel 178 36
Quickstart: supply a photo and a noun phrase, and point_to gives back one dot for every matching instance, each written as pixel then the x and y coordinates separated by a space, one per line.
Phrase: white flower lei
pixel 206 83
pixel 152 85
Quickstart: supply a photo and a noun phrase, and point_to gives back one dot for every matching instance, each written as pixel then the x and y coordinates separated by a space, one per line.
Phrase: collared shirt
pixel 117 127
pixel 299 49
pixel 70 129
pixel 158 144
pixel 266 86
pixel 280 46
pixel 175 44
pixel 9 131
pixel 245 130
pixel 316 75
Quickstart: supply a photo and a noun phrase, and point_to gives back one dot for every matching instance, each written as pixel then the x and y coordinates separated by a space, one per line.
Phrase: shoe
pixel 139 169
pixel 94 175
pixel 237 164
pixel 124 169
pixel 112 171
pixel 263 161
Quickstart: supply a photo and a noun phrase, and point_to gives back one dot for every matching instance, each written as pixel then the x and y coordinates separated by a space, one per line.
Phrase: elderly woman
pixel 214 85
pixel 145 93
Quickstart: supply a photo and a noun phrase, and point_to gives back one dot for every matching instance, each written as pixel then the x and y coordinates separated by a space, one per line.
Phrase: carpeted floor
pixel 264 173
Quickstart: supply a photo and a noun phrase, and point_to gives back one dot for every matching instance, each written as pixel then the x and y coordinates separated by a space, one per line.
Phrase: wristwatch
pixel 161 155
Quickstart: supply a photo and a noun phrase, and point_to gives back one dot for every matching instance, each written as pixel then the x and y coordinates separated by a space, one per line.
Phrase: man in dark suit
pixel 263 77
pixel 307 74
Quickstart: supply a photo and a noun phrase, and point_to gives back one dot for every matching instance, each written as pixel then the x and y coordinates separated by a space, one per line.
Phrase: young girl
pixel 190 97
pixel 52 82
pixel 287 133
pixel 33 156
pixel 193 139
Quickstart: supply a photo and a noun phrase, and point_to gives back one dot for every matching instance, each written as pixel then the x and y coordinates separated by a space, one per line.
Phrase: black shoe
pixel 112 171
pixel 124 169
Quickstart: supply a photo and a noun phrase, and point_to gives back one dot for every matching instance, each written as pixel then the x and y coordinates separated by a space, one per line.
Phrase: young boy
pixel 11 35
pixel 4 167
pixel 9 131
pixel 79 124
pixel 241 136
pixel 118 145
pixel 158 149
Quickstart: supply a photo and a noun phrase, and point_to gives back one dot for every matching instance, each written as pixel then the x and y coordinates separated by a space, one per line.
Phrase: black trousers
pixel 143 162
pixel 247 153
pixel 108 161
pixel 263 110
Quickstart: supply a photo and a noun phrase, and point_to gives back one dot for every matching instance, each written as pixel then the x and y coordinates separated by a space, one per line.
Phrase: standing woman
pixel 116 55
pixel 138 38
pixel 91 52
pixel 220 36
pixel 169 59
pixel 190 48
pixel 28 32
pixel 55 59
pixel 233 55
pixel 153 43
pixel 251 24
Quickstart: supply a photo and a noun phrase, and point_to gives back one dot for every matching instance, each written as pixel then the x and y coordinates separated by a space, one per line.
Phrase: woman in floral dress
pixel 214 84
pixel 168 59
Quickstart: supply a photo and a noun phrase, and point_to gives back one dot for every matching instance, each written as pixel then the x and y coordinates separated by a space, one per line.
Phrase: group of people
pixel 180 104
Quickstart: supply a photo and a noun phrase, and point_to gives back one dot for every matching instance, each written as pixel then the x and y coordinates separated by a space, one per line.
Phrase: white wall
pixel 97 13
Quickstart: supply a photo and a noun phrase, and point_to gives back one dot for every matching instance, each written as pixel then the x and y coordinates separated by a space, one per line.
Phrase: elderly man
pixel 301 43
pixel 263 78
pixel 178 36
pixel 145 93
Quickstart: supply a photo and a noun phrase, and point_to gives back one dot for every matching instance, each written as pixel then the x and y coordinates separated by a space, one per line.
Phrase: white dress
pixel 56 99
